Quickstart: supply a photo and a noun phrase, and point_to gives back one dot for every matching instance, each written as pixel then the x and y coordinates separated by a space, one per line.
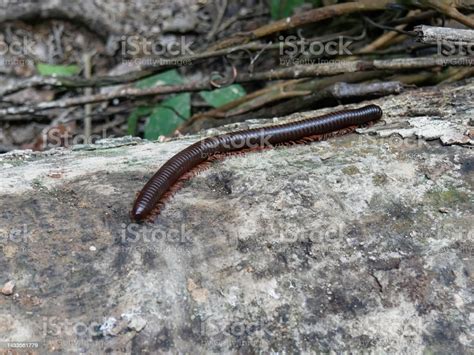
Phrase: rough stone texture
pixel 356 243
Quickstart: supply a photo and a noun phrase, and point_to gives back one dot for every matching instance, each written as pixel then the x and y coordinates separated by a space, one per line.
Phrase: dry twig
pixel 435 35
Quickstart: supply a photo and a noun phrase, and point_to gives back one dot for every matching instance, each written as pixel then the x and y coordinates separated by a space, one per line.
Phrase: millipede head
pixel 138 214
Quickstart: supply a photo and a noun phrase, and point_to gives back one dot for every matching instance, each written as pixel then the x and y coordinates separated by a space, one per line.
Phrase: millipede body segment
pixel 201 151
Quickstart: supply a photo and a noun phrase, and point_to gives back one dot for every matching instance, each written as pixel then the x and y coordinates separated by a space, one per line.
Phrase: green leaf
pixel 133 118
pixel 163 120
pixel 220 97
pixel 59 70
pixel 280 9
pixel 170 77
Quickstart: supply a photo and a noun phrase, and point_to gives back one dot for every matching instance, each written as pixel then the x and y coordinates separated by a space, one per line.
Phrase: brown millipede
pixel 201 151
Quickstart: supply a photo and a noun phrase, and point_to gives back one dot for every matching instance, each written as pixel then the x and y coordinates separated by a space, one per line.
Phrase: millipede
pixel 306 130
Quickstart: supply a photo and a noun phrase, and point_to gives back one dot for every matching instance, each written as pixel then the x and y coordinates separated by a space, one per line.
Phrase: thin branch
pixel 398 29
pixel 121 94
pixel 88 92
pixel 229 22
pixel 101 81
pixel 295 72
pixel 382 41
pixel 265 100
pixel 338 91
pixel 447 8
pixel 223 48
pixel 221 8
pixel 302 19
pixel 434 35
pixel 426 15
pixel 324 69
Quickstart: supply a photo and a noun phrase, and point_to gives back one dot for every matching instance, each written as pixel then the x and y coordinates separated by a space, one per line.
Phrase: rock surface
pixel 359 242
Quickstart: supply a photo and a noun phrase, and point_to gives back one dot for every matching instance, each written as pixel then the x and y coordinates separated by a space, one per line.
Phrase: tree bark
pixel 359 242
pixel 440 35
